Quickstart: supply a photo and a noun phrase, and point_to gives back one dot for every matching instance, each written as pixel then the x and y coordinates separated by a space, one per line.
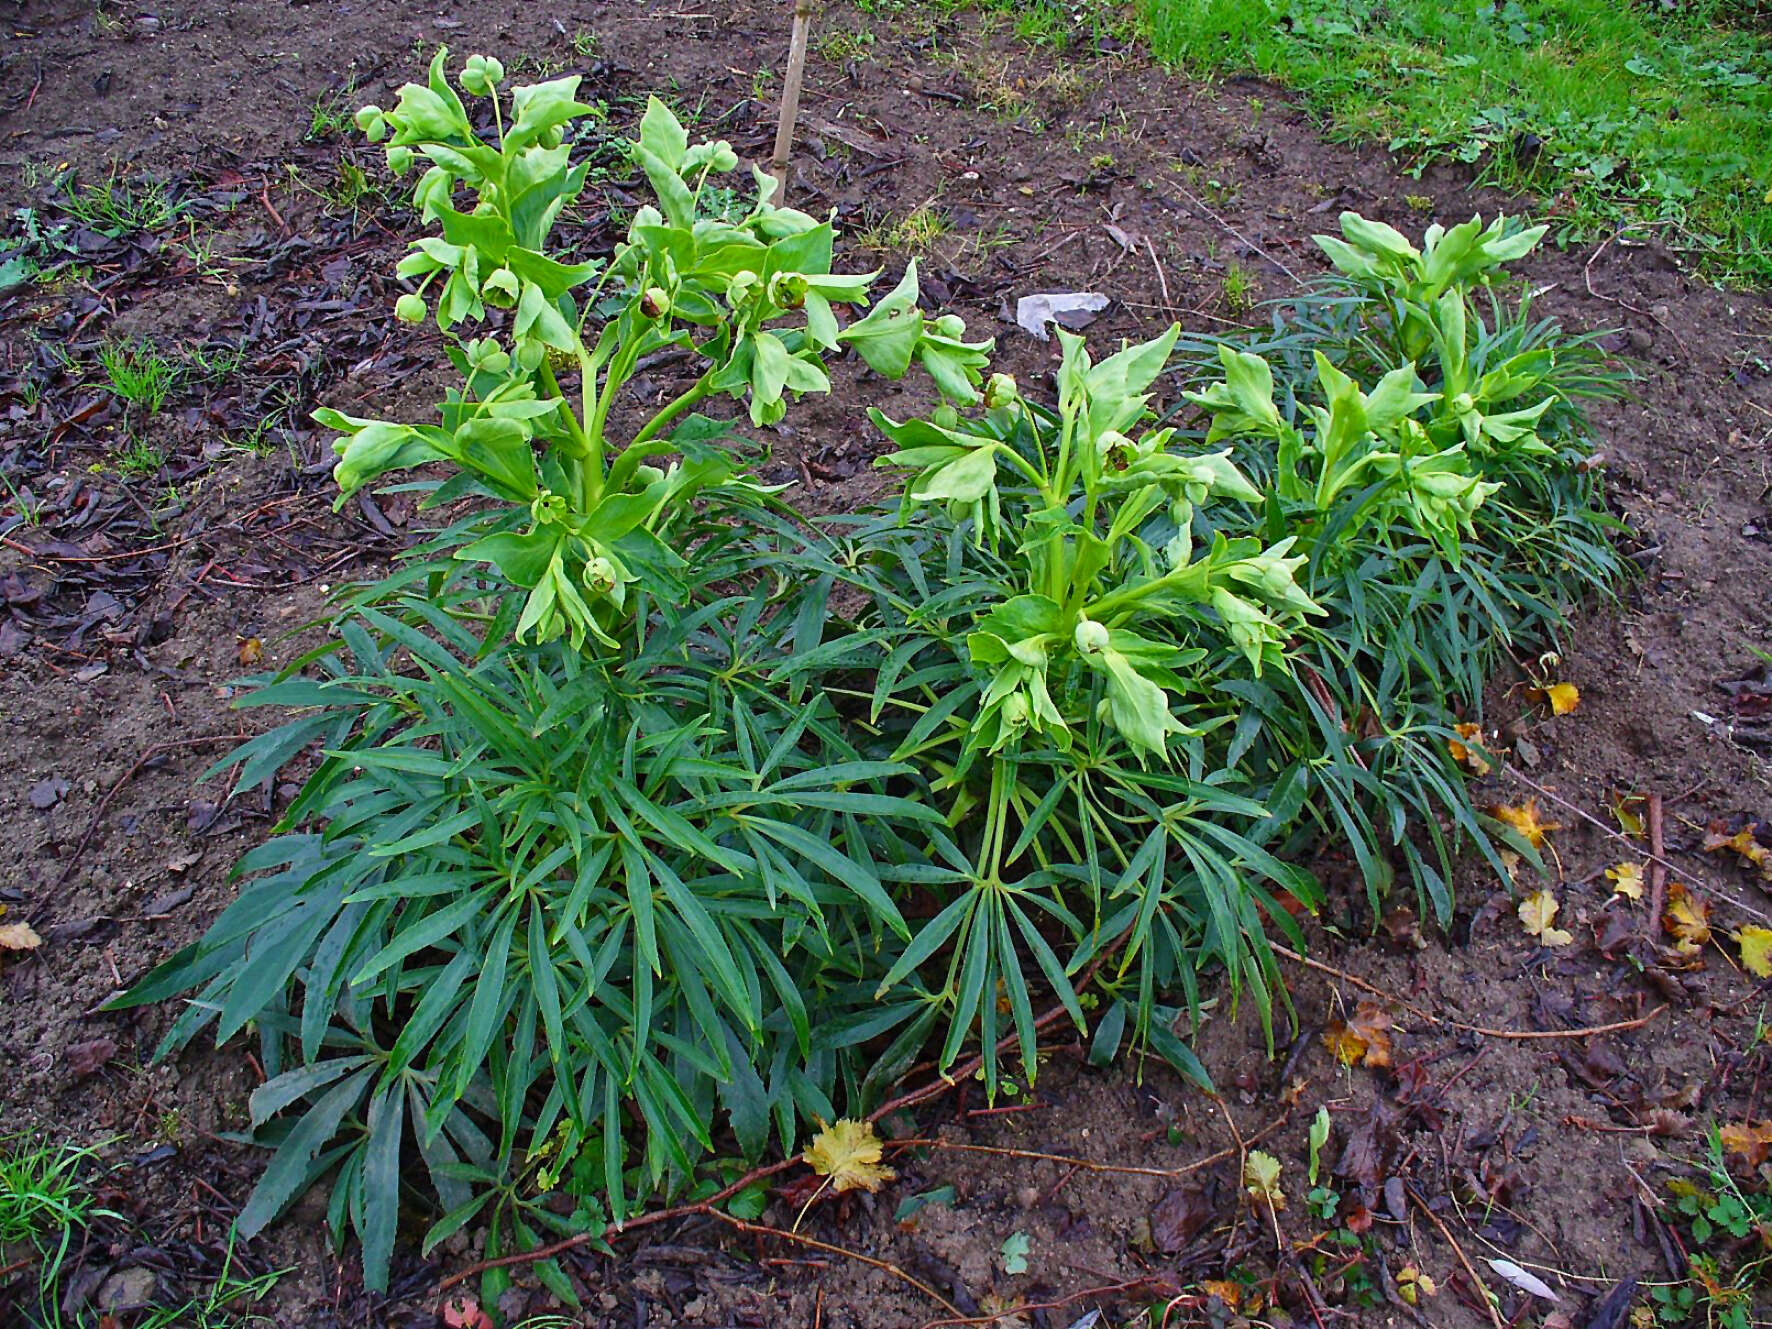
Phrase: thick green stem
pixel 673 408
pixel 588 458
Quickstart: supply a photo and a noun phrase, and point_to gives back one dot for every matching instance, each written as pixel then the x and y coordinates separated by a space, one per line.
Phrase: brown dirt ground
pixel 1541 1149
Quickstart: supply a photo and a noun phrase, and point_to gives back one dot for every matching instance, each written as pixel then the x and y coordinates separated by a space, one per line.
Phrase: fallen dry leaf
pixel 1465 748
pixel 1413 1284
pixel 1756 950
pixel 84 1059
pixel 1751 852
pixel 1261 1178
pixel 1562 697
pixel 1525 821
pixel 1752 1140
pixel 1537 912
pixel 1687 919
pixel 1178 1218
pixel 1626 810
pixel 848 1152
pixel 252 650
pixel 18 937
pixel 1231 1294
pixel 465 1313
pixel 1627 880
pixel 1363 1040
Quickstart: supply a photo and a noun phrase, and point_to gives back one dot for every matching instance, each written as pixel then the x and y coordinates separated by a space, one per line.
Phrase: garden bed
pixel 1014 168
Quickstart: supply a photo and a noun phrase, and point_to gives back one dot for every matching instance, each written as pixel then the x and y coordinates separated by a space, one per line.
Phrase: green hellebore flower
pixel 1090 636
pixel 410 308
pixel 1000 391
pixel 787 290
pixel 1116 450
pixel 373 122
pixel 400 160
pixel 600 575
pixel 501 289
pixel 1248 627
pixel 486 355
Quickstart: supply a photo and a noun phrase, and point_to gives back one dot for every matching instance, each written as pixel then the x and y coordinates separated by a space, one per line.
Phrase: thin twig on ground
pixel 1353 980
pixel 98 813
pixel 1655 856
pixel 1470 1271
pixel 1657 866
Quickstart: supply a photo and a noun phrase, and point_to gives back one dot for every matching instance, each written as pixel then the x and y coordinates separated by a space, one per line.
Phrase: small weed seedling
pixel 138 459
pixel 331 114
pixel 138 374
pixel 1238 289
pixel 121 206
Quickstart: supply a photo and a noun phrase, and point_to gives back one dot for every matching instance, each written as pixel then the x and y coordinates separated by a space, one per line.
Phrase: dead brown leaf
pixel 1178 1218
pixel 1744 846
pixel 1525 821
pixel 1364 1039
pixel 1370 1147
pixel 1752 1140
pixel 1466 748
pixel 89 1058
pixel 1687 919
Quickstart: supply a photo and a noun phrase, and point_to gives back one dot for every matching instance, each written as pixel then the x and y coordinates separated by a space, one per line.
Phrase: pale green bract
pixel 1089 573
pixel 754 300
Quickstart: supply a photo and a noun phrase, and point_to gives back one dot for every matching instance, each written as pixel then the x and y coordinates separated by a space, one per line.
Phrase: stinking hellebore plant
pixel 1056 664
pixel 754 300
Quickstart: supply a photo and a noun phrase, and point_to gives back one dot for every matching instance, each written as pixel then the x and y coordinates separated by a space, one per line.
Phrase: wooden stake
pixel 790 100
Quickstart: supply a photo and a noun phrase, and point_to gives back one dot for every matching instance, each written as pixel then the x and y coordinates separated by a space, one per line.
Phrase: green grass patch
pixel 1607 113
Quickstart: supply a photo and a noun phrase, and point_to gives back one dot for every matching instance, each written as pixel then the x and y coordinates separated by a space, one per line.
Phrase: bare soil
pixel 131 600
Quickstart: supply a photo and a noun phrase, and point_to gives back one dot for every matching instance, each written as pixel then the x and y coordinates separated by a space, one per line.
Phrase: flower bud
pixel 1463 404
pixel 501 289
pixel 1091 637
pixel 481 74
pixel 655 302
pixel 741 289
pixel 1000 391
pixel 945 416
pixel 486 356
pixel 400 160
pixel 373 123
pixel 410 308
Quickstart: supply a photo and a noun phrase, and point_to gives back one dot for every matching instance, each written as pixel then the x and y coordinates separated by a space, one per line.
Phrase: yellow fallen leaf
pixel 18 937
pixel 1752 1140
pixel 1687 918
pixel 1756 950
pixel 1627 880
pixel 1537 912
pixel 1563 697
pixel 1745 846
pixel 1231 1294
pixel 1364 1038
pixel 849 1153
pixel 1526 822
pixel 1465 748
pixel 1261 1178
pixel 1625 807
pixel 1413 1284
